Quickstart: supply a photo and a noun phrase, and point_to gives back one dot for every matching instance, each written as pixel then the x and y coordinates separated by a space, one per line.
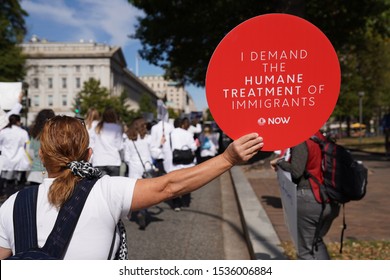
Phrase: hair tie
pixel 83 169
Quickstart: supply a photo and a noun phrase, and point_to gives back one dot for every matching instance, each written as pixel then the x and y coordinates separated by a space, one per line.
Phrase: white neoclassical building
pixel 56 73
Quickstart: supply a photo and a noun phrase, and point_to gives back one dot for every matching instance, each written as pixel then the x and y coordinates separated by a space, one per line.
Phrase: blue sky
pixel 103 21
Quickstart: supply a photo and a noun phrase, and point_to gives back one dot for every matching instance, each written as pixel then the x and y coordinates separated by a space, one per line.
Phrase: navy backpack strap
pixel 68 216
pixel 24 218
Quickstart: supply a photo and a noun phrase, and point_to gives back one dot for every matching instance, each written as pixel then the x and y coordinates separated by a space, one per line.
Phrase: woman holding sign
pixel 65 153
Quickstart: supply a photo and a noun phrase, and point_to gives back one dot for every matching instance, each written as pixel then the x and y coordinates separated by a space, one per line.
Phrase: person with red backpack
pixel 314 218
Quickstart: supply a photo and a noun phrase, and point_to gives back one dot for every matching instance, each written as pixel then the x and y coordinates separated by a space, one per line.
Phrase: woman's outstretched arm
pixel 149 192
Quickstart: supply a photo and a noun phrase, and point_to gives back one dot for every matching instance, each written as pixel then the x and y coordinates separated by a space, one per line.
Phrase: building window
pixel 35 83
pixel 78 82
pixel 36 101
pixel 50 82
pixel 77 68
pixel 63 82
pixel 90 68
pixel 64 100
pixel 50 100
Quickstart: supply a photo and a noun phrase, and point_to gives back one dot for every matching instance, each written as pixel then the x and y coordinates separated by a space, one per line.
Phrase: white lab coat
pixel 181 140
pixel 165 151
pixel 13 141
pixel 132 159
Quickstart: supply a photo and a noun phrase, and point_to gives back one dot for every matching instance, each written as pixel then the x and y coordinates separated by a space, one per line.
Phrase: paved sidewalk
pixel 366 220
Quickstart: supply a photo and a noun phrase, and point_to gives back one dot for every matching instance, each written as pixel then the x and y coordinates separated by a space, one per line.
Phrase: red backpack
pixel 314 171
pixel 338 178
pixel 342 178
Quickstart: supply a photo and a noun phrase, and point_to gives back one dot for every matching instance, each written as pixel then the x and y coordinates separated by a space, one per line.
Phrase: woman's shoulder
pixel 114 187
pixel 108 181
pixel 20 130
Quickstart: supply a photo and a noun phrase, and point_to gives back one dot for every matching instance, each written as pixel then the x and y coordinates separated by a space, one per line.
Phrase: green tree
pixel 172 113
pixel 94 95
pixel 145 104
pixel 365 68
pixel 181 36
pixel 121 106
pixel 12 32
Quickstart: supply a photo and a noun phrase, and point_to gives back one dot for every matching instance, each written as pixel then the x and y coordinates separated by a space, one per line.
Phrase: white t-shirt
pixel 109 200
pixel 106 145
pixel 195 129
pixel 165 151
pixel 132 158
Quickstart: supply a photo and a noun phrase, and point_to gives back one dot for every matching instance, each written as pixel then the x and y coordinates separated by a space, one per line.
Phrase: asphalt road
pixel 210 229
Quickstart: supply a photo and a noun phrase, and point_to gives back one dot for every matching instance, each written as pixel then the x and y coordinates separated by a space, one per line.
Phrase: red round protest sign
pixel 274 74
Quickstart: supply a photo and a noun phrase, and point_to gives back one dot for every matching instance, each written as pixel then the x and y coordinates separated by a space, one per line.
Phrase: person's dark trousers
pixel 309 210
pixel 3 190
pixel 109 170
pixel 159 164
pixel 186 200
pixel 181 201
pixel 10 187
pixel 176 202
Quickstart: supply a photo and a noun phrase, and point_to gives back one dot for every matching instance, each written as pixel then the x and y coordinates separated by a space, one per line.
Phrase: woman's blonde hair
pixel 92 115
pixel 63 140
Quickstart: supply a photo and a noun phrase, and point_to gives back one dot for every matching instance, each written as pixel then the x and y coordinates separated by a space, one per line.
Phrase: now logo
pixel 273 120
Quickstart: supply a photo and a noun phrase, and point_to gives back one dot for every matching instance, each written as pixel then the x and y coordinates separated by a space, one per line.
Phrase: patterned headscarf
pixel 84 169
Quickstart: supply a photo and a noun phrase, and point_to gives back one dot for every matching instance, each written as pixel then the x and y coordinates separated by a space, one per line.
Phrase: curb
pixel 263 242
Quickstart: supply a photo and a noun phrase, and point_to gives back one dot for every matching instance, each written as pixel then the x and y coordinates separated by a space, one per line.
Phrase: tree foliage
pixel 93 95
pixel 12 32
pixel 145 105
pixel 181 35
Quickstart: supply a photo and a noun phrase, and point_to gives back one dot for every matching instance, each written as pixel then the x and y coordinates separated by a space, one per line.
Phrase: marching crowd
pixel 145 149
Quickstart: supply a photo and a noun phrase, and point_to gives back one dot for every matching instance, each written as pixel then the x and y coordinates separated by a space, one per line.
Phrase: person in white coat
pixel 13 141
pixel 4 120
pixel 181 139
pixel 137 148
pixel 160 148
pixel 138 157
pixel 107 142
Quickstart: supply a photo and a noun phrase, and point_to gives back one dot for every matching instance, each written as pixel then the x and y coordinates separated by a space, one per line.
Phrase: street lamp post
pixel 361 94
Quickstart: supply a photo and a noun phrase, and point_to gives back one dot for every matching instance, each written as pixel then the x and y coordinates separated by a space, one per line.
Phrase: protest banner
pixel 9 94
pixel 275 74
